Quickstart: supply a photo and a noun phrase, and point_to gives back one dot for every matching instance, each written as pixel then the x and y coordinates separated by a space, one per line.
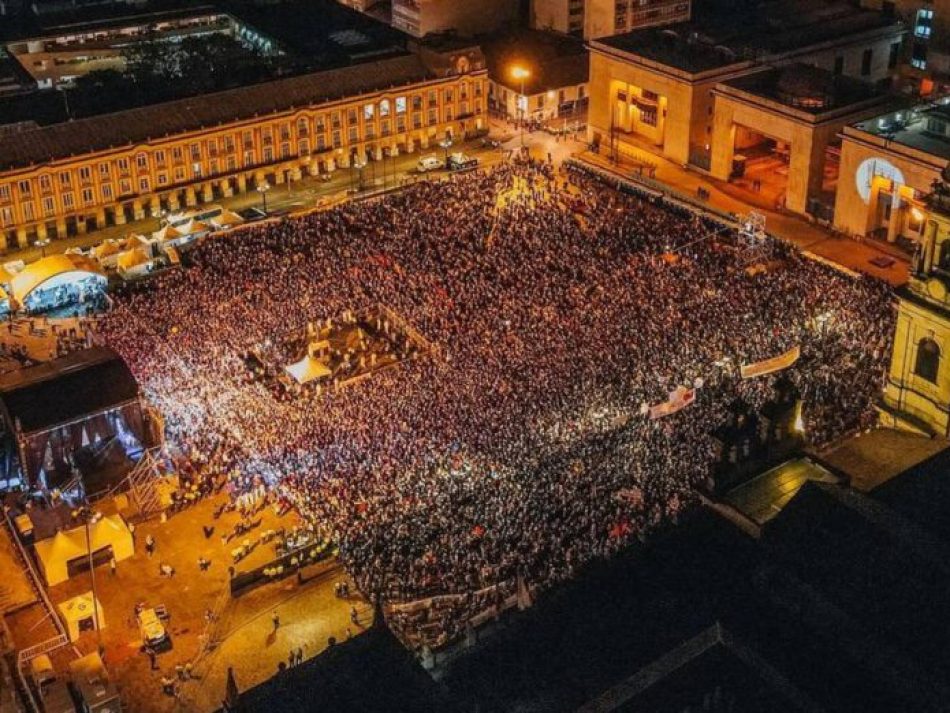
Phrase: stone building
pixel 917 393
pixel 67 178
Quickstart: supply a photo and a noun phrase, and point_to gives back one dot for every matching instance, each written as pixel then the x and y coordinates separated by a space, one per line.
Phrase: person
pixel 354 615
pixel 168 685
pixel 179 672
pixel 275 619
pixel 150 652
pixel 112 565
pixel 299 655
pixel 149 544
pixel 189 667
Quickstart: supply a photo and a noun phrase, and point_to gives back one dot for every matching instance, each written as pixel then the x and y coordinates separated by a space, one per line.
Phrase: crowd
pixel 519 448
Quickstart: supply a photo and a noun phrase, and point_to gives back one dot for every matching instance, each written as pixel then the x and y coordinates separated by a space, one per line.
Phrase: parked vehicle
pixel 152 629
pixel 428 163
pixel 459 161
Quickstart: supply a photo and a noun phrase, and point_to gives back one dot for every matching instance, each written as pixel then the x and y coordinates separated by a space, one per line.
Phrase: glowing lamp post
pixel 446 144
pixel 42 244
pixel 521 74
pixel 262 189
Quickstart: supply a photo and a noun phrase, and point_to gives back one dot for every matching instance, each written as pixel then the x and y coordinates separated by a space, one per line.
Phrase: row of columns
pixel 203 191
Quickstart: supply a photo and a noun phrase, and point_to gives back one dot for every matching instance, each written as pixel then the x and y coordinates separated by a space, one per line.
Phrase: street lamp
pixel 262 189
pixel 359 165
pixel 446 144
pixel 41 244
pixel 521 74
pixel 90 517
pixel 159 214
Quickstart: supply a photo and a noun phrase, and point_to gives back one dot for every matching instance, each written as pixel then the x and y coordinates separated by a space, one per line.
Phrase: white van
pixel 428 163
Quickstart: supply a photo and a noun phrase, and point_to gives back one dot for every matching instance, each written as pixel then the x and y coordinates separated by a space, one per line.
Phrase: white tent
pixel 80 610
pixel 308 369
pixel 55 553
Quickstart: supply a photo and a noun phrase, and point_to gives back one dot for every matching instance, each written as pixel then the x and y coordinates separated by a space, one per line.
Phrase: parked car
pixel 152 629
pixel 459 161
pixel 428 163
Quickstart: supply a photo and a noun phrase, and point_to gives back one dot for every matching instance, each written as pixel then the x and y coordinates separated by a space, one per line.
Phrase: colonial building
pixel 917 394
pixel 888 164
pixel 656 88
pixel 70 177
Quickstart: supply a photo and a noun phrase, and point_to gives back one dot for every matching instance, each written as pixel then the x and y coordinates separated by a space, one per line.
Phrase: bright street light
pixel 262 189
pixel 521 74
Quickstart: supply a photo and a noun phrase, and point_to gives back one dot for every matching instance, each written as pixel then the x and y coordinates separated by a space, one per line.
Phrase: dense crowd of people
pixel 520 448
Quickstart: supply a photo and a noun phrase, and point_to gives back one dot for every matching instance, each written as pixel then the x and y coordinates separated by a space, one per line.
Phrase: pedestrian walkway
pixel 808 236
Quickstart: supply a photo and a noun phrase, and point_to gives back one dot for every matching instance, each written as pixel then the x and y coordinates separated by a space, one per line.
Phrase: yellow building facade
pixel 917 393
pixel 66 179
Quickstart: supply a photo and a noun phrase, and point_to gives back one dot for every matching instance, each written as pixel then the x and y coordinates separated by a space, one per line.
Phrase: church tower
pixel 917 394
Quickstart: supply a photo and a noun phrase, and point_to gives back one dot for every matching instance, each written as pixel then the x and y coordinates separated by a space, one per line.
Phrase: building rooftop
pixel 553 61
pixel 806 88
pixel 718 37
pixel 141 124
pixel 94 379
pixel 908 127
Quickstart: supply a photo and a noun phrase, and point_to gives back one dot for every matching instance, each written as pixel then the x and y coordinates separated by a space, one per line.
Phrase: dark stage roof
pixel 41 397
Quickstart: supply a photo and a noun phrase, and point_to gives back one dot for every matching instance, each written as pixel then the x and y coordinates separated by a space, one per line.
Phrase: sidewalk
pixel 796 229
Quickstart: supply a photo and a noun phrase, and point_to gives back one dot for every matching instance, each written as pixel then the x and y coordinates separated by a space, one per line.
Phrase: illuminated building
pixel 917 394
pixel 888 164
pixel 67 178
pixel 656 88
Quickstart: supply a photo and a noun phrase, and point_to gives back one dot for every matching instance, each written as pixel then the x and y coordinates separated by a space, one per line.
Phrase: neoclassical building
pixel 917 393
pixel 71 177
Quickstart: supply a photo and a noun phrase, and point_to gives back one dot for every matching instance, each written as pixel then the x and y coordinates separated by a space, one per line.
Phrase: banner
pixel 679 399
pixel 768 366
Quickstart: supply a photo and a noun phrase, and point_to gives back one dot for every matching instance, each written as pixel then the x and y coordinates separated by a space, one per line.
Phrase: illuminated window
pixel 924 23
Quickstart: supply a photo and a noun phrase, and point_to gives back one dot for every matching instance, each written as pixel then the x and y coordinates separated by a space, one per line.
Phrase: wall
pixel 854 214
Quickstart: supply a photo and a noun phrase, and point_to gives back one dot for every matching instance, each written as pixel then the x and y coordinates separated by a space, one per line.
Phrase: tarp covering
pixel 55 554
pixel 307 369
pixel 65 267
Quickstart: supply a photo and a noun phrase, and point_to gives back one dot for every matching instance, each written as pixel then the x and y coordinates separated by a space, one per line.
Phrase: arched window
pixel 928 360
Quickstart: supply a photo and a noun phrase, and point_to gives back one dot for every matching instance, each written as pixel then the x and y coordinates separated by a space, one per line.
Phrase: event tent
pixel 52 271
pixel 56 553
pixel 308 369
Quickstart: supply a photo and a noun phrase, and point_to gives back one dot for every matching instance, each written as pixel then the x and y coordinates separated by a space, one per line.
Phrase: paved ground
pixel 844 251
pixel 310 612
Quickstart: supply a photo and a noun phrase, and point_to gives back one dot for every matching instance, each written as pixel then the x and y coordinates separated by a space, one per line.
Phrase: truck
pixel 460 162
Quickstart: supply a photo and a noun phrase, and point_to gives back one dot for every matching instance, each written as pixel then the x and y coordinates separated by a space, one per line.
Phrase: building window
pixel 928 360
pixel 107 192
pixel 6 216
pixel 87 196
pixel 400 105
pixel 24 188
pixel 141 160
pixel 924 23
pixel 45 184
pixel 27 210
pixel 68 200
pixel 85 174
pixel 384 107
pixel 894 55
pixel 65 179
pixel 4 193
pixel 918 56
pixel 866 58
pixel 48 206
pixel 648 117
pixel 143 184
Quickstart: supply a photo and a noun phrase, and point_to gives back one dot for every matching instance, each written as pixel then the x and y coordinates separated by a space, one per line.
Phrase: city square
pixel 552 355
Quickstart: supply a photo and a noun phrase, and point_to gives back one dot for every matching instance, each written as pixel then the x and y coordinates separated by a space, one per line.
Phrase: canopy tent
pixel 79 610
pixel 227 219
pixel 55 554
pixel 132 261
pixel 308 369
pixel 168 232
pixel 51 272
